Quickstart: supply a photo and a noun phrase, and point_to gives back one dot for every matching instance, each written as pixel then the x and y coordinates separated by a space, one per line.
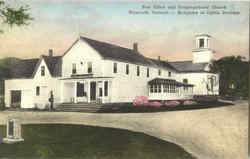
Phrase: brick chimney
pixel 135 47
pixel 50 52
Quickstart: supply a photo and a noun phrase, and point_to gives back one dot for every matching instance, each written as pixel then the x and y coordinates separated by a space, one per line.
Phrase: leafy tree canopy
pixel 234 77
pixel 14 16
pixel 5 65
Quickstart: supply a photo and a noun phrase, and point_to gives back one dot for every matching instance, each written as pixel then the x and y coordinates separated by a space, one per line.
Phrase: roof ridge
pixel 108 43
pixel 52 56
pixel 180 61
pixel 29 59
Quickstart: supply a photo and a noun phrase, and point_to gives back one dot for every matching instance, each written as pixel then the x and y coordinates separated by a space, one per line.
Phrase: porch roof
pixel 84 77
pixel 168 81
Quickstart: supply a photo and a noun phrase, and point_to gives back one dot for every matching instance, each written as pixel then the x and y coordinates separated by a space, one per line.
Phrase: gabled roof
pixel 115 52
pixel 189 66
pixel 24 68
pixel 27 68
pixel 54 64
pixel 163 64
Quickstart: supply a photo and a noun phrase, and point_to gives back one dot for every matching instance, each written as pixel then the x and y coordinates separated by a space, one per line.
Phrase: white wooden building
pixel 95 71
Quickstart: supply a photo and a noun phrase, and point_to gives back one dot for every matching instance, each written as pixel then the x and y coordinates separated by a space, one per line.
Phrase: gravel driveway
pixel 216 133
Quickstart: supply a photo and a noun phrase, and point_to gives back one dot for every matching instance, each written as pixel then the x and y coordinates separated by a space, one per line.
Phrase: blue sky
pixel 57 23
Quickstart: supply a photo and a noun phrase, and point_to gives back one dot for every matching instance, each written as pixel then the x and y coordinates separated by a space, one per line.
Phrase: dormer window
pixel 201 43
pixel 73 68
pixel 89 67
pixel 42 70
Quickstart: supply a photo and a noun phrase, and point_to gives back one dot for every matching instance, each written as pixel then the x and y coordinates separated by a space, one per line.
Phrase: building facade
pixel 95 71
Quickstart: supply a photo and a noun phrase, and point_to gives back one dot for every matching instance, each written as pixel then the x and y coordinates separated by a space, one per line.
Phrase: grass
pixel 77 141
pixel 129 108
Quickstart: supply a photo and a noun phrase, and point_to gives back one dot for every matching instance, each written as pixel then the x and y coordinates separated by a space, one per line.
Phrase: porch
pixel 86 90
pixel 168 89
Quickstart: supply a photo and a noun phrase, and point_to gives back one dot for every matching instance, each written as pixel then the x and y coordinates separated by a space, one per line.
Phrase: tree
pixel 14 16
pixel 234 77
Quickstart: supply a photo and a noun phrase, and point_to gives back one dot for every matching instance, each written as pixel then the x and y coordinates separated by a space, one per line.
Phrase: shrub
pixel 189 102
pixel 140 101
pixel 172 103
pixel 155 104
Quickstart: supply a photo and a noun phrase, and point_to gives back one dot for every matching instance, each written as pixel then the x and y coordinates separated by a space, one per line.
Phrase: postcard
pixel 125 79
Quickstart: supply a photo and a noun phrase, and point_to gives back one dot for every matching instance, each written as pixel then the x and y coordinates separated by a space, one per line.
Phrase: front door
pixel 15 98
pixel 92 91
pixel 11 128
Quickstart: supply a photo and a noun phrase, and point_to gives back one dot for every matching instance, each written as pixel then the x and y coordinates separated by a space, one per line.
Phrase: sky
pixel 58 23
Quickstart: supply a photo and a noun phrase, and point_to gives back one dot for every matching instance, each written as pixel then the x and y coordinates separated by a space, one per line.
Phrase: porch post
pixel 75 95
pixel 162 94
pixel 103 92
pixel 62 94
pixel 88 91
pixel 110 91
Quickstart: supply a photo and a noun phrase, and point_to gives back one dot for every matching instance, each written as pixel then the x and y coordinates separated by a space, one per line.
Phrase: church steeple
pixel 202 52
pixel 203 41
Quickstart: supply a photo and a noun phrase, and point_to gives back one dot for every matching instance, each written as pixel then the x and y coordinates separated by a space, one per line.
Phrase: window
pixel 115 68
pixel 42 70
pixel 151 89
pixel 147 72
pixel 185 81
pixel 73 68
pixel 201 43
pixel 164 88
pixel 37 91
pixel 185 88
pixel 155 88
pixel 127 69
pixel 169 74
pixel 106 88
pixel 138 70
pixel 89 67
pixel 159 88
pixel 159 72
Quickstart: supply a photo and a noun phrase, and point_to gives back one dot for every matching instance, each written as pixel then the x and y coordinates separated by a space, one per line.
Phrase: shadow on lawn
pixel 129 108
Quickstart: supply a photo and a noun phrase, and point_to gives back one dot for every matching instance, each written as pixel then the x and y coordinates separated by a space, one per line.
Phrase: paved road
pixel 216 133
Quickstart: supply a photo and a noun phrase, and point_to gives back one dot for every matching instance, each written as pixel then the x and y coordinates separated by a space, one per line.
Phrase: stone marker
pixel 13 131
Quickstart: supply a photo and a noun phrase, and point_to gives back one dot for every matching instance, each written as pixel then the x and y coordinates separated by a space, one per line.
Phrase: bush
pixel 155 104
pixel 172 103
pixel 140 100
pixel 189 102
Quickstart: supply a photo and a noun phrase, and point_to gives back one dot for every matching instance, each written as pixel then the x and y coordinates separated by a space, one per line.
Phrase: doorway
pixel 92 91
pixel 15 99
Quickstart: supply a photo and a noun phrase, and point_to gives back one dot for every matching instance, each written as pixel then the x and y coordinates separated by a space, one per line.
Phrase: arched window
pixel 185 81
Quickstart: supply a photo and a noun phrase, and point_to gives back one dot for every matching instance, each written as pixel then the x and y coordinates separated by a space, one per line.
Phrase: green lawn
pixel 77 141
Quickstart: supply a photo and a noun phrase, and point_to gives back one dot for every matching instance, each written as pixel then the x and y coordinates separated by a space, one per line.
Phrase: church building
pixel 93 71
